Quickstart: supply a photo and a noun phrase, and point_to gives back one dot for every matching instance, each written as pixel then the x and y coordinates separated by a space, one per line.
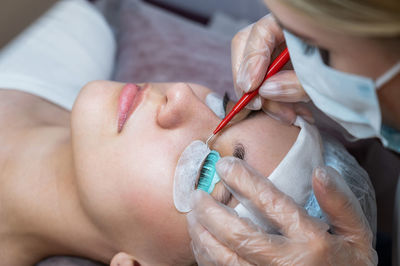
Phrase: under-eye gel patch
pixel 186 173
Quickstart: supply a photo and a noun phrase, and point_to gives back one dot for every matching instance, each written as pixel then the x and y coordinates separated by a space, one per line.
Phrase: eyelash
pixel 238 151
pixel 309 49
pixel 225 102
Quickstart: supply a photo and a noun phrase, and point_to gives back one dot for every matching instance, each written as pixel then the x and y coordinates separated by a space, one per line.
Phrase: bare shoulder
pixel 22 112
pixel 11 106
pixel 19 109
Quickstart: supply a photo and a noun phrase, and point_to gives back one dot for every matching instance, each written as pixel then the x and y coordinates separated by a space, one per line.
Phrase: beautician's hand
pixel 252 49
pixel 220 237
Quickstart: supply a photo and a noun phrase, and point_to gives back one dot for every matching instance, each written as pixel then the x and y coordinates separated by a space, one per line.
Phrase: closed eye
pixel 239 151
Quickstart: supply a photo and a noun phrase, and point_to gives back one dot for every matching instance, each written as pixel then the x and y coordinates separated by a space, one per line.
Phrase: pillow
pixel 158 46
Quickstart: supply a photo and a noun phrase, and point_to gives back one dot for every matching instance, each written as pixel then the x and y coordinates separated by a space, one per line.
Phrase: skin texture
pixel 73 185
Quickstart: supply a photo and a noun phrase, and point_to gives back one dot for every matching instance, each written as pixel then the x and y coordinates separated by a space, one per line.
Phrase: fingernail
pixel 322 176
pixel 243 80
pixel 255 104
pixel 250 67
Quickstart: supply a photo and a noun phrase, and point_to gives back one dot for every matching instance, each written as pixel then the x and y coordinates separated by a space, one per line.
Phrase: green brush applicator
pixel 208 174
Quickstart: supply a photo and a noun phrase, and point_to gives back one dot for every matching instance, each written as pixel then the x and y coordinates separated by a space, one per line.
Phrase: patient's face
pixel 125 178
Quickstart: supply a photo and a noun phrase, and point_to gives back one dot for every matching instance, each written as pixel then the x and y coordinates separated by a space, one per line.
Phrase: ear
pixel 124 259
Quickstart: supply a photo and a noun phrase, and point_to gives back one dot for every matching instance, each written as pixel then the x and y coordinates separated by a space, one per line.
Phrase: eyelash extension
pixel 225 102
pixel 239 151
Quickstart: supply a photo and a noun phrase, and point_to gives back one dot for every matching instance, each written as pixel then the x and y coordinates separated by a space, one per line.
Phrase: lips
pixel 130 97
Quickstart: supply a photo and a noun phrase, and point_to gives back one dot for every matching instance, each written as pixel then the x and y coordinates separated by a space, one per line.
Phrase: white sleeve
pixel 67 47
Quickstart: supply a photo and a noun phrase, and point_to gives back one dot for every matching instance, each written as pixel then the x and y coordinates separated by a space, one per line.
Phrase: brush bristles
pixel 208 177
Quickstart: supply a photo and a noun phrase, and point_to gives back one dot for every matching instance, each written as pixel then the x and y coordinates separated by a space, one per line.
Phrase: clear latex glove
pixel 252 49
pixel 220 237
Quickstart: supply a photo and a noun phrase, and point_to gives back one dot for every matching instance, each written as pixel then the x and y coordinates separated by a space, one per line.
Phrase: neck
pixel 48 218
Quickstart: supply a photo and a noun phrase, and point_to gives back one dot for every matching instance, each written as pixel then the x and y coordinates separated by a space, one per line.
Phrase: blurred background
pixel 223 16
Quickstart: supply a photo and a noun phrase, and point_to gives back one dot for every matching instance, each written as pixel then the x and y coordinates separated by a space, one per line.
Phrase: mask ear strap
pixel 382 80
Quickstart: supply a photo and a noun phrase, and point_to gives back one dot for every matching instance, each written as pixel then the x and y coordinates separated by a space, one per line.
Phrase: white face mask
pixel 349 99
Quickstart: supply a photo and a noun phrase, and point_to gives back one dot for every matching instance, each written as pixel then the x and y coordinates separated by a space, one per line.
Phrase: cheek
pixel 158 223
pixel 146 194
pixel 96 109
pixel 130 199
pixel 125 183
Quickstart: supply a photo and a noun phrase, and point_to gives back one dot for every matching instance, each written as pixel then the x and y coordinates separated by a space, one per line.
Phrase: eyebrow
pixel 304 38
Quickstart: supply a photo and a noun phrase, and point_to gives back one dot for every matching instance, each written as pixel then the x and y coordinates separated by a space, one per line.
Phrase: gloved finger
pixel 284 86
pixel 261 197
pixel 208 250
pixel 255 103
pixel 264 36
pixel 287 112
pixel 341 205
pixel 283 112
pixel 243 237
pixel 238 45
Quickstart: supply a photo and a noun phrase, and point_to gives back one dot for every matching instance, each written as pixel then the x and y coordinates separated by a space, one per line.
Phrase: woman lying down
pixel 104 181
pixel 98 180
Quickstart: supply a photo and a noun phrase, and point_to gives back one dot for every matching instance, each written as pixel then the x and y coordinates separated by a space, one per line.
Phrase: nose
pixel 183 108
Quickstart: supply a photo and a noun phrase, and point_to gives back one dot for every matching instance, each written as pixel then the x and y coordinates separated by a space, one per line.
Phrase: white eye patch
pixel 216 104
pixel 189 165
pixel 293 175
pixel 187 172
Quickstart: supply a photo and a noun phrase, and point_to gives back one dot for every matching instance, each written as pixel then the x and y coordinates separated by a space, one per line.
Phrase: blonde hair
pixel 369 18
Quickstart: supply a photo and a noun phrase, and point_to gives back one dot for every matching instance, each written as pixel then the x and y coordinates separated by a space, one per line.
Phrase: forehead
pixel 266 141
pixel 303 25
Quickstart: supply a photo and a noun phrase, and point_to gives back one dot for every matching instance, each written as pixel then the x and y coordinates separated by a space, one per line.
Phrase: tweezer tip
pixel 208 140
